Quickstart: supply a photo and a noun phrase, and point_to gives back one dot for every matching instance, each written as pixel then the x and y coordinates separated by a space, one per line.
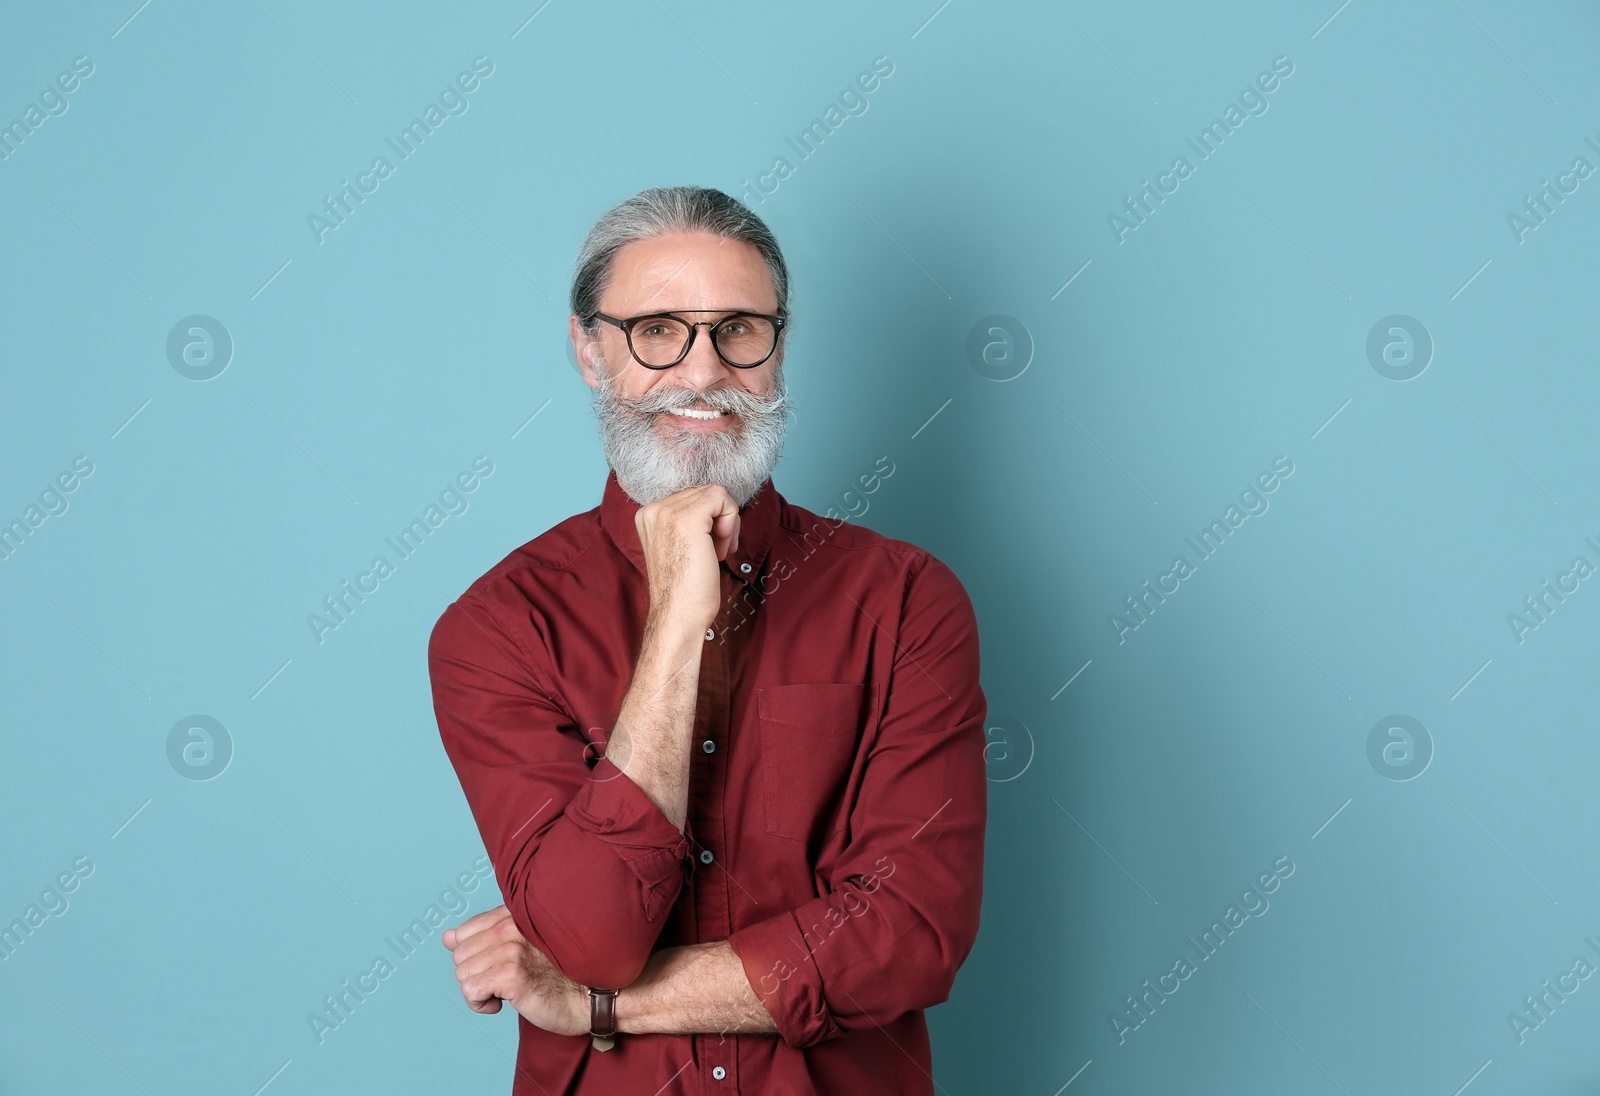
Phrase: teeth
pixel 694 413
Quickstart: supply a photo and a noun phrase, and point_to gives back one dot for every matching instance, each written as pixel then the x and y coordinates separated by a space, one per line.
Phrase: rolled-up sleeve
pixel 588 864
pixel 902 911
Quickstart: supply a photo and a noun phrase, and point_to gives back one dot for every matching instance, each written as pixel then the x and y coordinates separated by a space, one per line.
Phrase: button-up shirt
pixel 836 795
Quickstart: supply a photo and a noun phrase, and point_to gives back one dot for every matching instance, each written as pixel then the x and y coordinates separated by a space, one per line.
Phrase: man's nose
pixel 702 368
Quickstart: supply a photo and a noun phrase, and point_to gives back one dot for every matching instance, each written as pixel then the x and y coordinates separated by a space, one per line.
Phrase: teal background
pixel 1129 808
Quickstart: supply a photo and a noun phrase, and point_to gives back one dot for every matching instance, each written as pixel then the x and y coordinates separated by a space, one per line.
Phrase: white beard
pixel 651 466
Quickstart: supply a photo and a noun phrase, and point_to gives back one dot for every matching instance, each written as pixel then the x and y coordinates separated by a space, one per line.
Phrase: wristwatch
pixel 603 1017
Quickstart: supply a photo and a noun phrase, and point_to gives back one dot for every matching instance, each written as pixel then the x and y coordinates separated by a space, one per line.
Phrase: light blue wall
pixel 1143 780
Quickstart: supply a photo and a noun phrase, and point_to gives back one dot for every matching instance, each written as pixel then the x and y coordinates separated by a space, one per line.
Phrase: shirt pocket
pixel 810 736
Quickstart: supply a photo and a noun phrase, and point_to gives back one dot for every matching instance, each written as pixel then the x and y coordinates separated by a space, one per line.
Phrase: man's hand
pixel 495 963
pixel 683 536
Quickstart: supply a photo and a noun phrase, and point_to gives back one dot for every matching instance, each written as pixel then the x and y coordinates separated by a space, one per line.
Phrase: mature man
pixel 726 755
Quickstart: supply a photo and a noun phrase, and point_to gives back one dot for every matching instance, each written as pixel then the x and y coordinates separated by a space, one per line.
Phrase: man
pixel 726 755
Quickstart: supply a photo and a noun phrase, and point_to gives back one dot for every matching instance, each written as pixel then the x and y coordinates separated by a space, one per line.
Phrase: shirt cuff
pixel 612 808
pixel 780 968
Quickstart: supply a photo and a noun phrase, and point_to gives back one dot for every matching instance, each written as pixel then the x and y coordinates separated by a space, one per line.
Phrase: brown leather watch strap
pixel 603 1017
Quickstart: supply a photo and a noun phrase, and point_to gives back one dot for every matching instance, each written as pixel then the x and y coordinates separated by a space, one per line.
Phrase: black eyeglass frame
pixel 778 324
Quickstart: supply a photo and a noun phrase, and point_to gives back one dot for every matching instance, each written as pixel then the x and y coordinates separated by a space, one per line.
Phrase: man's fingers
pixel 494 975
pixel 506 929
pixel 724 519
pixel 721 502
pixel 499 945
pixel 473 925
pixel 725 533
pixel 709 502
pixel 505 965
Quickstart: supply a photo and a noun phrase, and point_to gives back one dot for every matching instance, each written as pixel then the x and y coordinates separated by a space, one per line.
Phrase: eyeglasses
pixel 661 340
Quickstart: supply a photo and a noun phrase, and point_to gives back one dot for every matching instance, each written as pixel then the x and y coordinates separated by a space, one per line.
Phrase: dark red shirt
pixel 836 797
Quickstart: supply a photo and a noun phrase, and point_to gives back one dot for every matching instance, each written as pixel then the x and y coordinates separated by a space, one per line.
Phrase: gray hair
pixel 669 209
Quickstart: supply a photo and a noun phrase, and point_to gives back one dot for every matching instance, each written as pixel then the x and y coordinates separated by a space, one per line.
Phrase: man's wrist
pixel 633 1001
pixel 667 639
pixel 626 1000
pixel 578 999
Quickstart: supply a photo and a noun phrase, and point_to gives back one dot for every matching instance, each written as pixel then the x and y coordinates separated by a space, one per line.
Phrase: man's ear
pixel 585 349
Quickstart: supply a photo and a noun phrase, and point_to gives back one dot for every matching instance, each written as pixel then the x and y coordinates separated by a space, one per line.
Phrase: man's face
pixel 652 438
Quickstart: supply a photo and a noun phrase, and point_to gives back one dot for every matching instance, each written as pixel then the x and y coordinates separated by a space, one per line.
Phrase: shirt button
pixel 708 745
pixel 744 567
pixel 710 634
pixel 719 1073
pixel 705 856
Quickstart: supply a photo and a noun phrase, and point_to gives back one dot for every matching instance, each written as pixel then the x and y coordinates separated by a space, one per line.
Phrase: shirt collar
pixel 758 527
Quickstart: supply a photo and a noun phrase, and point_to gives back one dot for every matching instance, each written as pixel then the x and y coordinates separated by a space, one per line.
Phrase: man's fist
pixel 683 536
pixel 495 963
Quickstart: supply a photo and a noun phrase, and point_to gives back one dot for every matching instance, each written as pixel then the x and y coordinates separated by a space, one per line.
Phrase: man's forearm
pixel 696 989
pixel 650 741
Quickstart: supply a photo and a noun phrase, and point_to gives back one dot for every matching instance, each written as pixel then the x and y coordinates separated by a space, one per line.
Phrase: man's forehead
pixel 679 270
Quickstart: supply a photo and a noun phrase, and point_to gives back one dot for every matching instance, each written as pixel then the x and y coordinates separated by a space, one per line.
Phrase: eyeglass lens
pixel 741 339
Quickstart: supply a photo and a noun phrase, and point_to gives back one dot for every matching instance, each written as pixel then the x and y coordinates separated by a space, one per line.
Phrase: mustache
pixel 651 464
pixel 736 400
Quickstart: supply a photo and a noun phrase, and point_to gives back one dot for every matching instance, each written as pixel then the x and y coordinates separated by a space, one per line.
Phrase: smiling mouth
pixel 695 413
